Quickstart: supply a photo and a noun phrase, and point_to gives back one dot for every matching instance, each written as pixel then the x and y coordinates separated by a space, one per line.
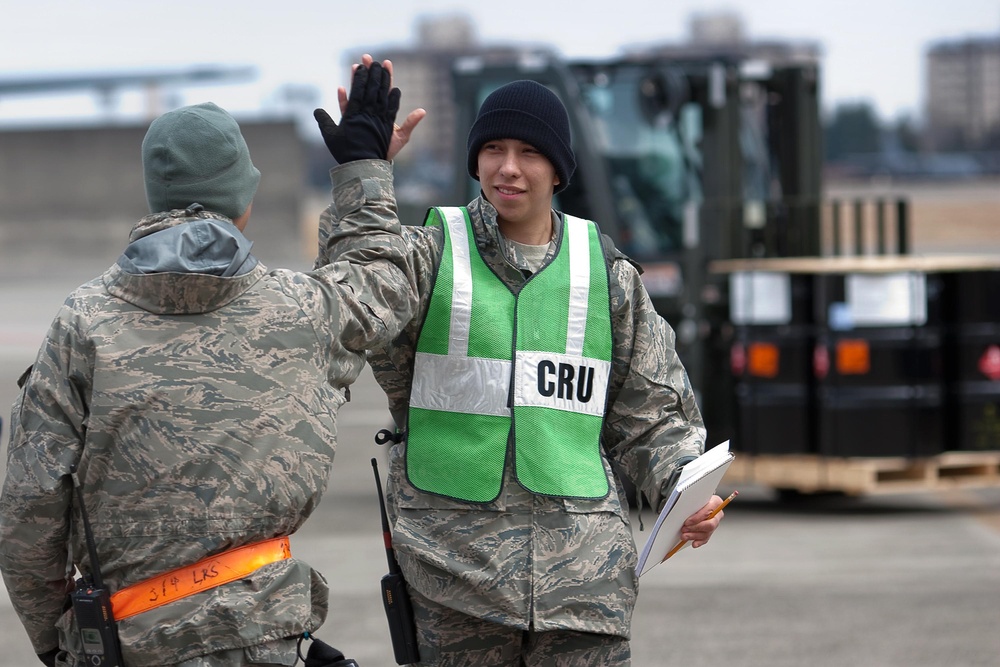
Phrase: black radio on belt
pixel 395 597
pixel 92 605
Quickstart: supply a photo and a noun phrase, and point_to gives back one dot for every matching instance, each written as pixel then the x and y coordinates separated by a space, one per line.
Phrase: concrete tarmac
pixel 906 580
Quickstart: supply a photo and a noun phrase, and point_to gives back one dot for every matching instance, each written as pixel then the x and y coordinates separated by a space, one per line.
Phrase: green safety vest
pixel 493 366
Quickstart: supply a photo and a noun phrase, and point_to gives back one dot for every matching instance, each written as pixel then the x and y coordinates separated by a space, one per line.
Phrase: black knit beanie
pixel 197 155
pixel 529 112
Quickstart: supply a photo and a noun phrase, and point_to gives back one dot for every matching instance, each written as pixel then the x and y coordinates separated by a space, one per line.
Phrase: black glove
pixel 322 654
pixel 49 657
pixel 367 124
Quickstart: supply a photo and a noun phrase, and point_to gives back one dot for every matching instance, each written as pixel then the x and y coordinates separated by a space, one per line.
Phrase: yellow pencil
pixel 683 543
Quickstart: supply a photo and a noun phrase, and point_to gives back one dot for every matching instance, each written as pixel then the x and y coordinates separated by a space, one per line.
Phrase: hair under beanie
pixel 530 112
pixel 196 154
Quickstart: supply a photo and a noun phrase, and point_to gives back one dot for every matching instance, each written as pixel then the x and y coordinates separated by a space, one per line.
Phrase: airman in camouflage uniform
pixel 196 393
pixel 530 578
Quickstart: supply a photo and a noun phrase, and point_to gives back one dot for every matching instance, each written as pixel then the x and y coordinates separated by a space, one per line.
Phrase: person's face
pixel 518 180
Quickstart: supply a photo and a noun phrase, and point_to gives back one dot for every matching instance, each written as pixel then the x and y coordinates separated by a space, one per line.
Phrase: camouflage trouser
pixel 277 653
pixel 447 638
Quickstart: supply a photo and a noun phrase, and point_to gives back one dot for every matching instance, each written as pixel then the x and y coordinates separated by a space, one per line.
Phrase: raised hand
pixel 400 133
pixel 368 116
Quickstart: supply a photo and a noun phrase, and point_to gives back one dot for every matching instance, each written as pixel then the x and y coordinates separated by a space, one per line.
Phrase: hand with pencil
pixel 698 528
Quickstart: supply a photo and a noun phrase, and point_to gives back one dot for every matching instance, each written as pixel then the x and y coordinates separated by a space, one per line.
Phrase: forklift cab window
pixel 647 134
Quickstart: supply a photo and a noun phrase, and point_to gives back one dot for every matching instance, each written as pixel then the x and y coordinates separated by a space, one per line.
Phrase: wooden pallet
pixel 865 476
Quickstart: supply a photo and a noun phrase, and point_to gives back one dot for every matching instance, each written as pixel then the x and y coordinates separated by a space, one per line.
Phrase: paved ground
pixel 908 580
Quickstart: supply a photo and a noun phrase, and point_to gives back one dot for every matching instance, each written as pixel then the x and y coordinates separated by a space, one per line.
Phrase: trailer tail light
pixel 821 361
pixel 763 360
pixel 853 357
pixel 737 359
pixel 989 363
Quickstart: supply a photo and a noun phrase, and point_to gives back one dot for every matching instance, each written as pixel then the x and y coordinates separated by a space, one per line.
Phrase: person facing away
pixel 194 392
pixel 535 367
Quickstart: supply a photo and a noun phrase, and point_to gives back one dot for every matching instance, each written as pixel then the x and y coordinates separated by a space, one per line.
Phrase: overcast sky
pixel 873 49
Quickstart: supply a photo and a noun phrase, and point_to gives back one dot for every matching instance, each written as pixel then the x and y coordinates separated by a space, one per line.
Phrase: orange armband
pixel 201 576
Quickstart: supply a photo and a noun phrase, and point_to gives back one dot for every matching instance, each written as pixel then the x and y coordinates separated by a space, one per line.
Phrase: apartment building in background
pixel 963 94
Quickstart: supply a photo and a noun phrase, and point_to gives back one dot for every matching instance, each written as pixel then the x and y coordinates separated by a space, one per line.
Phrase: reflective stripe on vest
pixel 460 417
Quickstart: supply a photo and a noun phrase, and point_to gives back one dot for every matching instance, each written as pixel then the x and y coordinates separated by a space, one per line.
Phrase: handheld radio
pixel 92 604
pixel 395 598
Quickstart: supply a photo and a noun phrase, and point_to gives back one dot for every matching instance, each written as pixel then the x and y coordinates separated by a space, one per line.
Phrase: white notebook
pixel 697 484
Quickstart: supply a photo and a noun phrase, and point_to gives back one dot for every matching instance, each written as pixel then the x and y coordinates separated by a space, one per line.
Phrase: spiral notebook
pixel 697 484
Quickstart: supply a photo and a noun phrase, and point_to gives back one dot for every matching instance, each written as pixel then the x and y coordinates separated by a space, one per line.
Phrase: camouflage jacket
pixel 200 410
pixel 527 560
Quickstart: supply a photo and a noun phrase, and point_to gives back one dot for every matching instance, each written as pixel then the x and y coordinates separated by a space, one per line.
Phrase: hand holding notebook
pixel 695 487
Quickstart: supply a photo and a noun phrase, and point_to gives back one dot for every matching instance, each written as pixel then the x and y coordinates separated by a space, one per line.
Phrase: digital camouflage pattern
pixel 448 637
pixel 201 413
pixel 527 560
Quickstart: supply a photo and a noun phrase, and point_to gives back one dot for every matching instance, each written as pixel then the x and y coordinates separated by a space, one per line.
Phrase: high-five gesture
pixel 367 117
pixel 400 134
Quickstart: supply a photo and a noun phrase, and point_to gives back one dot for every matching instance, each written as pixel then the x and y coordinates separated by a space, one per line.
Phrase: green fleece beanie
pixel 196 155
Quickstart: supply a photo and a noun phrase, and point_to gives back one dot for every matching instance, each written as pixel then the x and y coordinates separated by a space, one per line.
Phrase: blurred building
pixel 723 34
pixel 963 93
pixel 84 187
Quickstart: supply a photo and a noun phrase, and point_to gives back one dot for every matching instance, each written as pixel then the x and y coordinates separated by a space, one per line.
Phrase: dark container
pixel 879 386
pixel 892 421
pixel 772 368
pixel 972 352
pixel 775 419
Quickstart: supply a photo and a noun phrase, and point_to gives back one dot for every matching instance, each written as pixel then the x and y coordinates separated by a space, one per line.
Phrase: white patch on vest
pixel 469 385
pixel 579 284
pixel 461 292
pixel 560 381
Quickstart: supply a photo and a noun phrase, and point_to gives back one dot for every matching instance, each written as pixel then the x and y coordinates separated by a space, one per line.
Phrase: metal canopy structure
pixel 106 85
